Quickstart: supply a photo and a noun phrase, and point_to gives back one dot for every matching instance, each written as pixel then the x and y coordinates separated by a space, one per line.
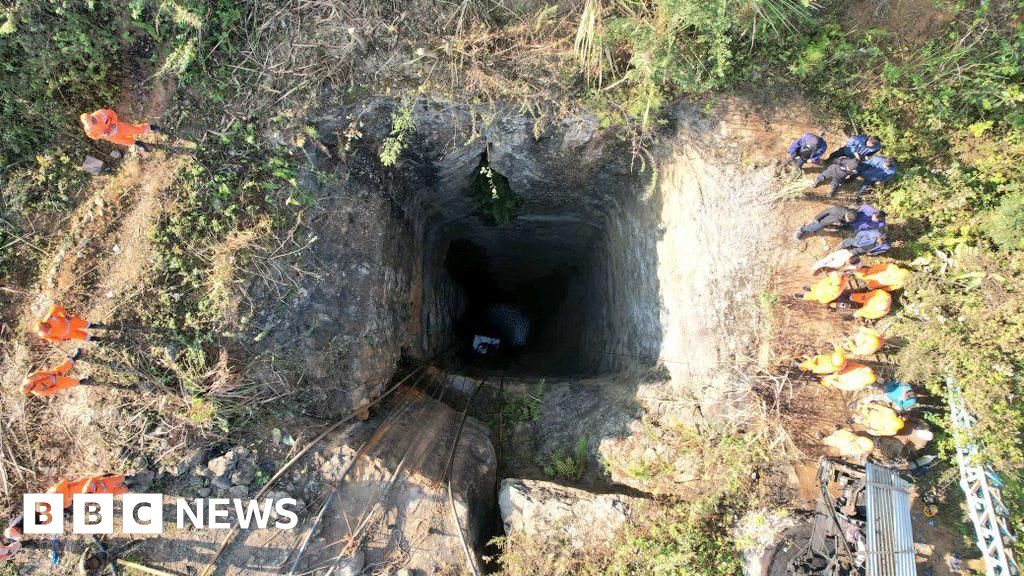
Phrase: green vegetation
pixel 58 61
pixel 1005 225
pixel 950 111
pixel 493 196
pixel 524 406
pixel 668 537
pixel 638 56
pixel 226 197
pixel 567 465
pixel 403 124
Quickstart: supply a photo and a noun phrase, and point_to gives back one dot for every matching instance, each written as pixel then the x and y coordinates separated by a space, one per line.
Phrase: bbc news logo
pixel 144 513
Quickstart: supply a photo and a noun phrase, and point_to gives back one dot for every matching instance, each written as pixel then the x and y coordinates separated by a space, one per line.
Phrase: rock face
pixel 395 493
pixel 581 519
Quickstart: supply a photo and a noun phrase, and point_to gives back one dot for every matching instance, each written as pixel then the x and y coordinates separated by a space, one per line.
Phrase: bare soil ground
pixel 912 21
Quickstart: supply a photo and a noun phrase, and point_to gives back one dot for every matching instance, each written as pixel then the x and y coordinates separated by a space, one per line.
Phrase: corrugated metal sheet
pixel 890 540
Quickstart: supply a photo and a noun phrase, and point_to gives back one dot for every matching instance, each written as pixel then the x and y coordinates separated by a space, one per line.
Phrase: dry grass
pixel 455 49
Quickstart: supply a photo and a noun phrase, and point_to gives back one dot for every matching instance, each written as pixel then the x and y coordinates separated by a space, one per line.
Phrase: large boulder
pixel 546 510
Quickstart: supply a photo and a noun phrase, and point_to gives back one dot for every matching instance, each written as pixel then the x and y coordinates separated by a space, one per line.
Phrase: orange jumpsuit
pixel 89 485
pixel 864 342
pixel 850 378
pixel 887 276
pixel 824 363
pixel 49 382
pixel 874 304
pixel 103 124
pixel 59 326
pixel 827 289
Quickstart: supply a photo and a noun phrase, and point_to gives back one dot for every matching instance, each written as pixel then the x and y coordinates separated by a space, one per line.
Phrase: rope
pixel 212 565
pixel 470 561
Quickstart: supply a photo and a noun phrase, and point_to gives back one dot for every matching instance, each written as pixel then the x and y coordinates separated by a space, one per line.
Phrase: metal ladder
pixel 981 487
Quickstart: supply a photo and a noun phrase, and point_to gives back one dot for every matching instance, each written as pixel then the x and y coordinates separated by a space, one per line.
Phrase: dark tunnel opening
pixel 505 323
pixel 535 277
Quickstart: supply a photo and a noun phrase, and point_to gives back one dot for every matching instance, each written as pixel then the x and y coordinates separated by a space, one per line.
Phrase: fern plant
pixel 568 466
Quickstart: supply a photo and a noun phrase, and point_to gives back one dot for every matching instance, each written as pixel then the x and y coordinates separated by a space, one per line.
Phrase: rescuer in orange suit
pixel 864 342
pixel 113 484
pixel 886 276
pixel 873 305
pixel 104 125
pixel 850 378
pixel 49 382
pixel 825 363
pixel 59 326
pixel 826 290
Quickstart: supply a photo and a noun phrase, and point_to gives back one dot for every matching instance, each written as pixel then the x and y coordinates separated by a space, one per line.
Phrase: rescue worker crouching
pixel 859 146
pixel 103 124
pixel 112 484
pixel 60 326
pixel 826 290
pixel 824 363
pixel 808 148
pixel 49 382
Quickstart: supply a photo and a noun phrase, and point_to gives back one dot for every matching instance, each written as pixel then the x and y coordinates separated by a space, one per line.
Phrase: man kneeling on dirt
pixel 865 217
pixel 838 172
pixel 807 148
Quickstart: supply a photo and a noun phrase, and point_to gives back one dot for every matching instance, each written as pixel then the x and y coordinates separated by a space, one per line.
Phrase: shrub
pixel 494 198
pixel 1005 225
pixel 59 59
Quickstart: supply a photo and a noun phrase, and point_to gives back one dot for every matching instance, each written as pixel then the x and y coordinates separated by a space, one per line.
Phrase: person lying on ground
pixel 864 342
pixel 851 378
pixel 49 382
pixel 869 242
pixel 863 217
pixel 875 171
pixel 871 305
pixel 878 419
pixel 824 363
pixel 848 444
pixel 113 484
pixel 826 290
pixel 887 276
pixel 858 146
pixel 838 172
pixel 104 125
pixel 807 148
pixel 59 326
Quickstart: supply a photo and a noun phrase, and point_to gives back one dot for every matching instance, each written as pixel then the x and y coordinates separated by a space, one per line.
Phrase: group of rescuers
pixel 865 292
pixel 60 326
pixel 865 289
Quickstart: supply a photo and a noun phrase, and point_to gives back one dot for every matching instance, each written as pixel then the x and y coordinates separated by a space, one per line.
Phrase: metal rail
pixel 984 503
